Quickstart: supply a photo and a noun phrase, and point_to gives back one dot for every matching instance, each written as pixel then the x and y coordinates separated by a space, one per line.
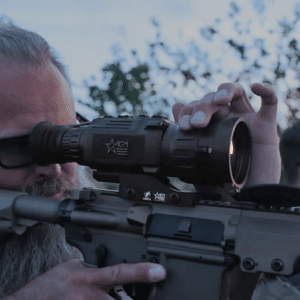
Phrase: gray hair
pixel 27 47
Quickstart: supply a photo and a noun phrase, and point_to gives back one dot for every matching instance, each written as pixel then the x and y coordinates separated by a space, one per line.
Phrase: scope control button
pixel 155 124
pixel 185 226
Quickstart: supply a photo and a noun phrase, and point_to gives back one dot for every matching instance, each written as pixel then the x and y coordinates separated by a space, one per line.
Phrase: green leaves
pixel 293 44
pixel 279 72
pixel 239 48
pixel 195 68
pixel 124 89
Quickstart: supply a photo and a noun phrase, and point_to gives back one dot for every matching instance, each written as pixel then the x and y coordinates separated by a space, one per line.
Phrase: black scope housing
pixel 217 154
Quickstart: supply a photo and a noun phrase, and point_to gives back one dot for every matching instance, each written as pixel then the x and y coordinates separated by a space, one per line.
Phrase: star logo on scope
pixel 119 147
pixel 111 146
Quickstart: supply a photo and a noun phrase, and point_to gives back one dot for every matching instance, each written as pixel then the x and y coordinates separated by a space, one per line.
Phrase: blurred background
pixel 140 57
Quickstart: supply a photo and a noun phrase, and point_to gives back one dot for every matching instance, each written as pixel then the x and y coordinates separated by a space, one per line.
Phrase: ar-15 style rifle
pixel 197 236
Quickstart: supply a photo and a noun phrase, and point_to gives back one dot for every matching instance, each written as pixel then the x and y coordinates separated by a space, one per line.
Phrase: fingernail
pixel 221 94
pixel 157 273
pixel 198 117
pixel 184 122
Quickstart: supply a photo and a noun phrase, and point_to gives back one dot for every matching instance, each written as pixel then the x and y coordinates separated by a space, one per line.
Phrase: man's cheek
pixel 7 178
pixel 13 179
pixel 70 169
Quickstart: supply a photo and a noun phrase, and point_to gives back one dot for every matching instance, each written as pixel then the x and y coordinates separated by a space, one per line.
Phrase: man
pixel 269 286
pixel 35 88
pixel 39 264
pixel 231 100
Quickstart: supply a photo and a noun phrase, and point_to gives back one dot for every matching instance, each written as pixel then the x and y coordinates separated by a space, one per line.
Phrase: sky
pixel 83 32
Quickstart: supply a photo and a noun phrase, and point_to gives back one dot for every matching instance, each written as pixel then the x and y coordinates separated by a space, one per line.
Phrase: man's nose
pixel 52 171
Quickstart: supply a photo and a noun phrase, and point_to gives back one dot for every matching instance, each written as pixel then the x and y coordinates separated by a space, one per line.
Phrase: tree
pixel 229 52
pixel 129 92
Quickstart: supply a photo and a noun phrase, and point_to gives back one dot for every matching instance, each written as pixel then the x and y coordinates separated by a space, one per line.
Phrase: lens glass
pixel 239 153
pixel 235 160
pixel 232 153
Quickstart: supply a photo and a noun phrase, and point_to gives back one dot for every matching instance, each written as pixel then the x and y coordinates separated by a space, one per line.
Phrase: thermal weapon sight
pixel 217 154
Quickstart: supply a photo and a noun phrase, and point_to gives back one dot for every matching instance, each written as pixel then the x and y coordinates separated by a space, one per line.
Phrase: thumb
pixel 268 109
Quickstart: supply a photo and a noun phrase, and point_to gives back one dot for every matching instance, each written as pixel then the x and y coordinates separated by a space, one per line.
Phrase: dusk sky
pixel 83 32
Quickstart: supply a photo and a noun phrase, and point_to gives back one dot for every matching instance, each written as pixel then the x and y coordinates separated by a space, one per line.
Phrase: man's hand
pixel 72 281
pixel 231 100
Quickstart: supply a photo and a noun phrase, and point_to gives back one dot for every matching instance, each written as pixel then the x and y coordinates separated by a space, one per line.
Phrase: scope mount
pixel 147 188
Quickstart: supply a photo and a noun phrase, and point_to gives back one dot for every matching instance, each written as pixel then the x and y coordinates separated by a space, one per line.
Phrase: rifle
pixel 196 236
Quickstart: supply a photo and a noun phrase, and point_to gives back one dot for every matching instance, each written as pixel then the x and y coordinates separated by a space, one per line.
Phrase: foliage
pixel 123 88
pixel 230 49
pixel 127 91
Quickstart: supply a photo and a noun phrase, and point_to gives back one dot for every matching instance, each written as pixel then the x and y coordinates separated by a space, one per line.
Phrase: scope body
pixel 218 153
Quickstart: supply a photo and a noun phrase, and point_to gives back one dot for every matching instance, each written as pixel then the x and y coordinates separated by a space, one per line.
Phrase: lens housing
pixel 202 156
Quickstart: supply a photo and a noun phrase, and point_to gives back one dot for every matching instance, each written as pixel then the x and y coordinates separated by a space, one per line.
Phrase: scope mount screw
pixel 277 265
pixel 175 198
pixel 248 263
pixel 131 193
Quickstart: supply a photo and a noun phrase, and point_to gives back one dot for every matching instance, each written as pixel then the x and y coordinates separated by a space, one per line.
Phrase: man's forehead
pixel 33 97
pixel 23 94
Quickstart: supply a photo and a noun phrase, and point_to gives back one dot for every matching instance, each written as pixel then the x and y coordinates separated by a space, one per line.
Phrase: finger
pixel 224 94
pixel 184 117
pixel 268 109
pixel 202 111
pixel 240 102
pixel 176 110
pixel 183 113
pixel 236 95
pixel 122 274
pixel 207 96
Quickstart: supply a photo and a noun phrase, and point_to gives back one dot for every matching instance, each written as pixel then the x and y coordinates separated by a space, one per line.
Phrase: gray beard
pixel 43 246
